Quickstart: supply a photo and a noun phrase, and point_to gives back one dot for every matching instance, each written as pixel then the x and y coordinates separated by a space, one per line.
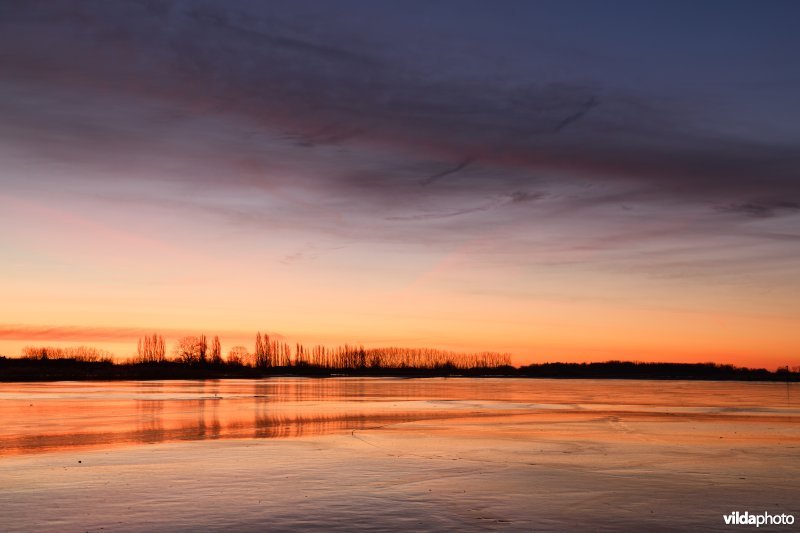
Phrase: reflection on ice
pixel 38 417
pixel 384 454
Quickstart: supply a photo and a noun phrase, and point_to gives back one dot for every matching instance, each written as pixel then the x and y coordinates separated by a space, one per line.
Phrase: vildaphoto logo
pixel 764 519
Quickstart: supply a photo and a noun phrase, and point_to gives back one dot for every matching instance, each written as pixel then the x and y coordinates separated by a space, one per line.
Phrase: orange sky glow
pixel 97 278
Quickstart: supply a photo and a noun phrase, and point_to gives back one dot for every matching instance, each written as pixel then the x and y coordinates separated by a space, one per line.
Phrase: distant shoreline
pixel 32 370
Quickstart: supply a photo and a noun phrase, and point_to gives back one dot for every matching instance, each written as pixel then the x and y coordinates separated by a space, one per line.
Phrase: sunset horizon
pixel 121 345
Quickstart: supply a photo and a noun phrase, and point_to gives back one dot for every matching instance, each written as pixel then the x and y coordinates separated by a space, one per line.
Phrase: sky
pixel 564 181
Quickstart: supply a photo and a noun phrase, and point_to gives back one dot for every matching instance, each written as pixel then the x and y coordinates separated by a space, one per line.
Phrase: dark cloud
pixel 520 197
pixel 762 209
pixel 355 116
pixel 446 214
pixel 439 175
pixel 579 114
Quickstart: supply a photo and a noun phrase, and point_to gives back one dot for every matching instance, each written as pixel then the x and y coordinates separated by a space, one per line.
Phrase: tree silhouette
pixel 216 351
pixel 262 353
pixel 78 353
pixel 191 349
pixel 202 349
pixel 151 349
pixel 238 355
pixel 268 352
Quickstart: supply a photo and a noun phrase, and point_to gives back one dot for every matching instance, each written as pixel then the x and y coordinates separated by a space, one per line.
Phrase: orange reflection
pixel 44 417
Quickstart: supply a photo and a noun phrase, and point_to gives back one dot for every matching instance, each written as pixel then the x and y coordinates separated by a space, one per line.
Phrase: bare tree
pixel 191 349
pixel 216 351
pixel 238 355
pixel 203 349
pixel 268 352
pixel 262 351
pixel 151 349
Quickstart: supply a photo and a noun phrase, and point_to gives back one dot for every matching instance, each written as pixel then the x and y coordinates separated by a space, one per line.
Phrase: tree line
pixel 198 356
pixel 195 358
pixel 273 353
pixel 77 353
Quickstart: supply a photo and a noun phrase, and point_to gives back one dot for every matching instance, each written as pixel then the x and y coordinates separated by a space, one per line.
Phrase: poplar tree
pixel 216 351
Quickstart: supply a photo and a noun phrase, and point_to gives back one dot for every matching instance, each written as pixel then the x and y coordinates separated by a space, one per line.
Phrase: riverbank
pixel 21 369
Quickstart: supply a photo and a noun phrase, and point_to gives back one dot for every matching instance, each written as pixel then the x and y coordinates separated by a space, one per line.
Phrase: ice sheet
pixel 388 455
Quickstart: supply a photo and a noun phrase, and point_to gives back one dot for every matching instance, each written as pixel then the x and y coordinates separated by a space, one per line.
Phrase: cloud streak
pixel 313 89
pixel 48 333
pixel 435 177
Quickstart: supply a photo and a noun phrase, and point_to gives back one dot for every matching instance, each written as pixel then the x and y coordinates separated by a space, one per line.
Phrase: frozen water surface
pixel 396 454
